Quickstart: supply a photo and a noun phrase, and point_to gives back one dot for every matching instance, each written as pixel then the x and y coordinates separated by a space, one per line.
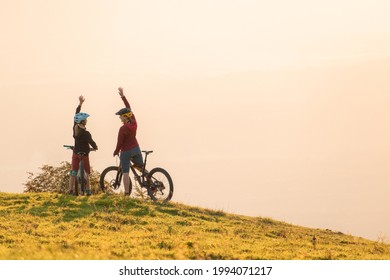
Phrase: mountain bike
pixel 81 178
pixel 156 183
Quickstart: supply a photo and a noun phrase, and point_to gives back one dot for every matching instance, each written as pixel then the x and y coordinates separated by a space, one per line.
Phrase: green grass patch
pixel 54 226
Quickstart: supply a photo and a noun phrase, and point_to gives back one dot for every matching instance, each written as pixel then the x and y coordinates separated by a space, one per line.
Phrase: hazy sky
pixel 264 108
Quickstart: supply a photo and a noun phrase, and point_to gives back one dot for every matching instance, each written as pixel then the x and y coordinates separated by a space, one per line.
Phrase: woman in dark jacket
pixel 82 144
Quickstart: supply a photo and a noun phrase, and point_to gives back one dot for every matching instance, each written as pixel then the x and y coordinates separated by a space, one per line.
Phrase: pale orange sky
pixel 263 108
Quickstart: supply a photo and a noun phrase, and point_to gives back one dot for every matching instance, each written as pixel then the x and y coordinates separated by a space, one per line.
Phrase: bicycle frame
pixel 157 181
pixel 139 177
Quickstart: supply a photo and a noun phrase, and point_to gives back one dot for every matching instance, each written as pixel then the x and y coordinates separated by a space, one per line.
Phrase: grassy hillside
pixel 53 226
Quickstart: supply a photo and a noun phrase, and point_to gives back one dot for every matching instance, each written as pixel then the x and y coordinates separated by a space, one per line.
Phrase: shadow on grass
pixel 13 202
pixel 67 208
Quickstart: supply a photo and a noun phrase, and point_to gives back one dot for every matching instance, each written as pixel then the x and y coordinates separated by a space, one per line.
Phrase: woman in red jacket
pixel 127 144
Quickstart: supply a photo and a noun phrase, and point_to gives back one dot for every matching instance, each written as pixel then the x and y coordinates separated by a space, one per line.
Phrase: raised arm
pixel 121 94
pixel 81 101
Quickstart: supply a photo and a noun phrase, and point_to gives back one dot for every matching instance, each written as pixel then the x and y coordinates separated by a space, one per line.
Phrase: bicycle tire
pixel 158 178
pixel 111 180
pixel 76 187
pixel 82 178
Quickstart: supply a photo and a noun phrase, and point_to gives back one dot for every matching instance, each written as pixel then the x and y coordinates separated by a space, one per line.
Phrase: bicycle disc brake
pixel 158 186
pixel 114 185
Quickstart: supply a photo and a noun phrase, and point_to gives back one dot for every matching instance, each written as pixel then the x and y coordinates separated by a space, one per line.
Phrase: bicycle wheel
pixel 111 180
pixel 76 187
pixel 160 185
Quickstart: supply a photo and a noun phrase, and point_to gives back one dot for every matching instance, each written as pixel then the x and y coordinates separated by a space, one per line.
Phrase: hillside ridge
pixel 56 226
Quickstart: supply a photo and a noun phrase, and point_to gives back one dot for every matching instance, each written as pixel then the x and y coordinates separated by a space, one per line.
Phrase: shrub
pixel 56 179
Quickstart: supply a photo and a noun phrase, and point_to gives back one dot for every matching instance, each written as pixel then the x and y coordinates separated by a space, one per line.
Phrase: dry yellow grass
pixel 52 226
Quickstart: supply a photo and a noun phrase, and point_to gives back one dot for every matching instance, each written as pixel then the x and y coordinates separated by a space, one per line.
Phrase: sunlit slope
pixel 53 226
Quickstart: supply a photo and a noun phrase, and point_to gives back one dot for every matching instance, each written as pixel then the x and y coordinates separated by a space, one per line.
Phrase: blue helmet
pixel 79 117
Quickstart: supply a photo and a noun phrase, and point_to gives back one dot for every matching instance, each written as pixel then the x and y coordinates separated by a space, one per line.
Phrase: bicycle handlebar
pixel 72 147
